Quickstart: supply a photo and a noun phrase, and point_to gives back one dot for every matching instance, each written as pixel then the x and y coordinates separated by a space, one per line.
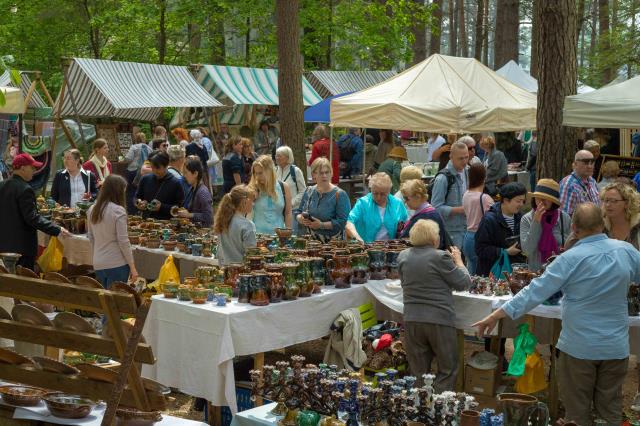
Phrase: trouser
pixel 583 381
pixel 423 342
pixel 27 262
pixel 469 251
pixel 108 276
pixel 131 192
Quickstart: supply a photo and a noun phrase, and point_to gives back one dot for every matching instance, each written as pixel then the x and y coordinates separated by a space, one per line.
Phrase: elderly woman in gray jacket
pixel 495 162
pixel 545 229
pixel 428 276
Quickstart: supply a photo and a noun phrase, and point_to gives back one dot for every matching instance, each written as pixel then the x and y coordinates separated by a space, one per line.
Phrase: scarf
pixel 424 208
pixel 100 166
pixel 547 245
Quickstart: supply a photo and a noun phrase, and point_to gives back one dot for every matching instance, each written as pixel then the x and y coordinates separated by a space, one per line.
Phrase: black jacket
pixel 432 215
pixel 61 187
pixel 19 218
pixel 491 236
pixel 167 190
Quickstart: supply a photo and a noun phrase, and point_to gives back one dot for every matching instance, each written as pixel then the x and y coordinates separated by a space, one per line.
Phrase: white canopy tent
pixel 616 106
pixel 441 94
pixel 515 74
pixel 14 102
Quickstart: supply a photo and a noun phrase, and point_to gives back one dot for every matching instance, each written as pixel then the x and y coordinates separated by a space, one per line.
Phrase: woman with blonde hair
pixel 98 164
pixel 621 212
pixel 324 207
pixel 428 276
pixel 407 173
pixel 235 232
pixel 272 208
pixel 414 193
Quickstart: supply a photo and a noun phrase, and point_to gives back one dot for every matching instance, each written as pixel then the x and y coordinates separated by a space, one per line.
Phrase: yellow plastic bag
pixel 51 258
pixel 532 380
pixel 168 272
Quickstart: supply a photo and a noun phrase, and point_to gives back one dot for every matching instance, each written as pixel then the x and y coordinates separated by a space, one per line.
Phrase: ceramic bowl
pixel 169 245
pixel 72 322
pixel 8 356
pixel 152 243
pixel 132 417
pixel 184 293
pixel 199 295
pixel 54 366
pixel 68 406
pixel 29 315
pixel 23 396
pixel 170 290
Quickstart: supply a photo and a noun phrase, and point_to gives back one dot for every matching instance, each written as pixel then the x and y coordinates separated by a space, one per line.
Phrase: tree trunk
pixel 507 32
pixel 485 33
pixel 581 17
pixel 453 48
pixel 557 79
pixel 632 12
pixel 615 9
pixel 535 40
pixel 162 33
pixel 329 37
pixel 94 32
pixel 420 42
pixel 247 43
pixel 195 40
pixel 216 41
pixel 477 51
pixel 605 36
pixel 290 79
pixel 594 28
pixel 436 33
pixel 462 31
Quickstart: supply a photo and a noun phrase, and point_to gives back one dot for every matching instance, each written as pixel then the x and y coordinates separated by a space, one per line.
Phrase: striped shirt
pixel 510 221
pixel 575 191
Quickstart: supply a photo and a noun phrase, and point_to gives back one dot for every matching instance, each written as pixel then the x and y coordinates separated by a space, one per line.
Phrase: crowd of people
pixel 462 223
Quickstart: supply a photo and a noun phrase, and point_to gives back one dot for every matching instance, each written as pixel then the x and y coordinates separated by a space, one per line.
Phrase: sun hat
pixel 398 152
pixel 25 159
pixel 547 189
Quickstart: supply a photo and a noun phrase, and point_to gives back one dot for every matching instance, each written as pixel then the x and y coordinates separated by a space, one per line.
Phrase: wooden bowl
pixel 23 396
pixel 68 406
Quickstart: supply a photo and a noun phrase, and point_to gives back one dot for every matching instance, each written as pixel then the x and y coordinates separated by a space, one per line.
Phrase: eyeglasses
pixel 587 161
pixel 379 194
pixel 471 148
pixel 610 201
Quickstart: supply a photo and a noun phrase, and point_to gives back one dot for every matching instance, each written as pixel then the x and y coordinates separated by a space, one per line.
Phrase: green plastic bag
pixel 501 265
pixel 524 344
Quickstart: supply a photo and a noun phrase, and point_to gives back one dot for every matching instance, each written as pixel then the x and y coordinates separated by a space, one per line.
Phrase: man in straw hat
pixel 393 165
pixel 545 229
pixel 594 342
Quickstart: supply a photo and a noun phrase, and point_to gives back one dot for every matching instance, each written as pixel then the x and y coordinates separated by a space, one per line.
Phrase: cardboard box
pixel 481 382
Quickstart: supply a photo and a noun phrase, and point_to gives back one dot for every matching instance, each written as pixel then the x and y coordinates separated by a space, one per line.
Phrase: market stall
pixel 442 94
pixel 330 83
pixel 513 72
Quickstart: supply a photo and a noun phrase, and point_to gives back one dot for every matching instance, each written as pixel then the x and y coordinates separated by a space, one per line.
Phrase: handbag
pixel 501 265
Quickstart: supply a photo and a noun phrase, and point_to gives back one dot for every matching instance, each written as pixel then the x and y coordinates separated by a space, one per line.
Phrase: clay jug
pixel 518 408
pixel 377 264
pixel 341 271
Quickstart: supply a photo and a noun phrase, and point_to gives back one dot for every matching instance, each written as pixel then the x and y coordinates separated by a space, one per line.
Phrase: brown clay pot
pixel 470 418
pixel 341 271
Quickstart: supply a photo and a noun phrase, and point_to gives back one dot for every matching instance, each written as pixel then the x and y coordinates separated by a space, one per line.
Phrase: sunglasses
pixel 587 161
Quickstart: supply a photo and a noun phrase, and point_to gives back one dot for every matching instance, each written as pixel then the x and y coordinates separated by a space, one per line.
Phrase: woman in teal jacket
pixel 376 216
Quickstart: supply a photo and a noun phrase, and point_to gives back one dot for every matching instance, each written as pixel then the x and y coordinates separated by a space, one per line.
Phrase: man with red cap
pixel 19 217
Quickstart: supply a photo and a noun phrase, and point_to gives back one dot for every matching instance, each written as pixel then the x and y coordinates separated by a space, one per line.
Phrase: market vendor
pixel 198 204
pixel 594 277
pixel 235 232
pixel 98 164
pixel 159 190
pixel 375 216
pixel 73 183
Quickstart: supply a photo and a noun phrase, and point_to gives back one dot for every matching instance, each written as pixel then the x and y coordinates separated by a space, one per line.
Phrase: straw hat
pixel 547 189
pixel 398 152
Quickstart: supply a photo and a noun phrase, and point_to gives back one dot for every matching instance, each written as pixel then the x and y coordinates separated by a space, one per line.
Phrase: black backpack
pixel 451 179
pixel 346 150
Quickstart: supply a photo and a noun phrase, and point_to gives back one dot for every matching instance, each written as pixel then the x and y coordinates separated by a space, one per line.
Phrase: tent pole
pixel 65 68
pixel 364 161
pixel 331 147
pixel 32 87
pixel 38 76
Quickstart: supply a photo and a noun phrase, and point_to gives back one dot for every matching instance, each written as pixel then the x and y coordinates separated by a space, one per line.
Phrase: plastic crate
pixel 243 399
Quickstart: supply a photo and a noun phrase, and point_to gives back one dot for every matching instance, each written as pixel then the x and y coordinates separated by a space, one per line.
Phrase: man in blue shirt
pixel 594 277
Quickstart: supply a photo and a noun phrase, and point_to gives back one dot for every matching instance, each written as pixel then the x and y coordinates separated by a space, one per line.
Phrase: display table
pixel 195 344
pixel 77 251
pixel 256 416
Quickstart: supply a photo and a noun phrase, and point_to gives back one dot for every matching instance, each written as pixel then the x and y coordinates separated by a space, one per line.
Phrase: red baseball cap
pixel 25 160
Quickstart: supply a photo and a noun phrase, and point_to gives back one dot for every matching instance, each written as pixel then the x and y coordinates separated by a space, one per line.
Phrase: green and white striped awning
pixel 129 90
pixel 248 86
pixel 330 83
pixel 25 83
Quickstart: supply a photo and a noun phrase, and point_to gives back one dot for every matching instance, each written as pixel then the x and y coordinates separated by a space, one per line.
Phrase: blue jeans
pixel 107 276
pixel 469 250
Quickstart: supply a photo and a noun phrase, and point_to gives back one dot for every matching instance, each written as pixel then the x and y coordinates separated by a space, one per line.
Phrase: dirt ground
pixel 182 405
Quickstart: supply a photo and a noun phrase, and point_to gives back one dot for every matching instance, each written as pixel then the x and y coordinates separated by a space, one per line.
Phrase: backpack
pixel 451 179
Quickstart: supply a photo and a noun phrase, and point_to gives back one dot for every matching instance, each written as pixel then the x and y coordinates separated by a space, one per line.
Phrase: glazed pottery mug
pixel 221 299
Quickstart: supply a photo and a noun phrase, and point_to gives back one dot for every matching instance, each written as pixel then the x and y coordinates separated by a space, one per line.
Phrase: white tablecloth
pixel 195 344
pixel 77 248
